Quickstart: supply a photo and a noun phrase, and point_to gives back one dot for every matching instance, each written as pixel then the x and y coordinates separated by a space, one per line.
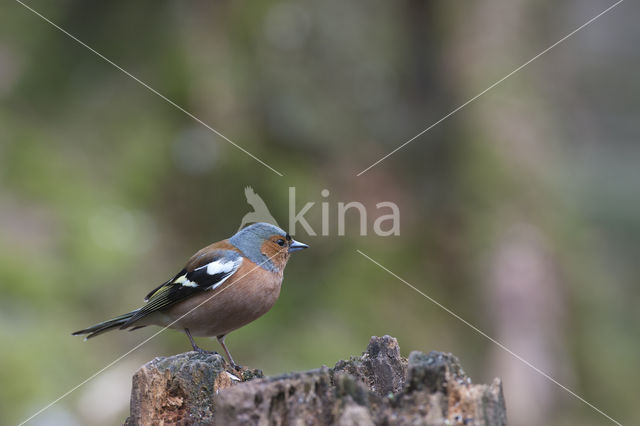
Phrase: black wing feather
pixel 175 290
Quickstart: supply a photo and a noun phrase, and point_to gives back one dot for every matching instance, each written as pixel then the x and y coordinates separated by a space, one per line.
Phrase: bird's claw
pixel 204 351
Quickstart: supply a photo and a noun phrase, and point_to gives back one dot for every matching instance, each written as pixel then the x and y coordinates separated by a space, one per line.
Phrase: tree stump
pixel 378 388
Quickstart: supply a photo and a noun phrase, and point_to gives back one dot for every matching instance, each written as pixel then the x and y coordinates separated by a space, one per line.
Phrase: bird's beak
pixel 297 246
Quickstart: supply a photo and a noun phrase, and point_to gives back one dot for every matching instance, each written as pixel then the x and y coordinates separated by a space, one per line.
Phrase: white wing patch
pixel 222 266
pixel 184 281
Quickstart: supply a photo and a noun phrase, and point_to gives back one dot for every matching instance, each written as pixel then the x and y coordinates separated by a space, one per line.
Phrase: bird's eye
pixel 280 242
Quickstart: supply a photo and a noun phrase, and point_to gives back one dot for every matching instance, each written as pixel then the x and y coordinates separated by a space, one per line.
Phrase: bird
pixel 222 287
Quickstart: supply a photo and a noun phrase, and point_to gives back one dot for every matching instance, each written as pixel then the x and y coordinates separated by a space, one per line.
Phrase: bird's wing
pixel 207 274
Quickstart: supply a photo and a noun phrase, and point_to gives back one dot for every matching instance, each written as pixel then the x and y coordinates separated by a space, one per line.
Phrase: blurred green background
pixel 521 213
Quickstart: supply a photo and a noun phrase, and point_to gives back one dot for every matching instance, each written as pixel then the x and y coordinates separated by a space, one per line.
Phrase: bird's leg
pixel 233 364
pixel 196 347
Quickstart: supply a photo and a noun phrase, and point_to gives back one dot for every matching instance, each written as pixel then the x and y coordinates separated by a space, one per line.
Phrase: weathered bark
pixel 379 387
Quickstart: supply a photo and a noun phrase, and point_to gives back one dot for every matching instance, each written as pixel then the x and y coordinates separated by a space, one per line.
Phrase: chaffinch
pixel 223 287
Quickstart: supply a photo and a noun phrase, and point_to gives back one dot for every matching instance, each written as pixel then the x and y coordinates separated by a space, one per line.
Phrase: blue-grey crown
pixel 249 241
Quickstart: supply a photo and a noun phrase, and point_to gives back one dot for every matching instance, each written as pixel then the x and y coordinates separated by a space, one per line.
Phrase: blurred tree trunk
pixel 512 150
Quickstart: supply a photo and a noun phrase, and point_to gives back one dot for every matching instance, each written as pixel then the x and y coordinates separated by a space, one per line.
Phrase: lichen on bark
pixel 380 387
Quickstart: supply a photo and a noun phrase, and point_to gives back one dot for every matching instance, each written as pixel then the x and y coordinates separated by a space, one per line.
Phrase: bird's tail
pixel 105 326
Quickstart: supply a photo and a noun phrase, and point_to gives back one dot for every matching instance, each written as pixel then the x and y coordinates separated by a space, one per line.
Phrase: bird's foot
pixel 204 351
pixel 197 348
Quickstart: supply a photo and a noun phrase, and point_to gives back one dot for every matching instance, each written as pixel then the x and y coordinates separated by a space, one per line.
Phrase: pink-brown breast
pixel 244 297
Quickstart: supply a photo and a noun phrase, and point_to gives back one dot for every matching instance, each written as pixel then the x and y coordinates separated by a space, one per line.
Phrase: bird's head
pixel 266 245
